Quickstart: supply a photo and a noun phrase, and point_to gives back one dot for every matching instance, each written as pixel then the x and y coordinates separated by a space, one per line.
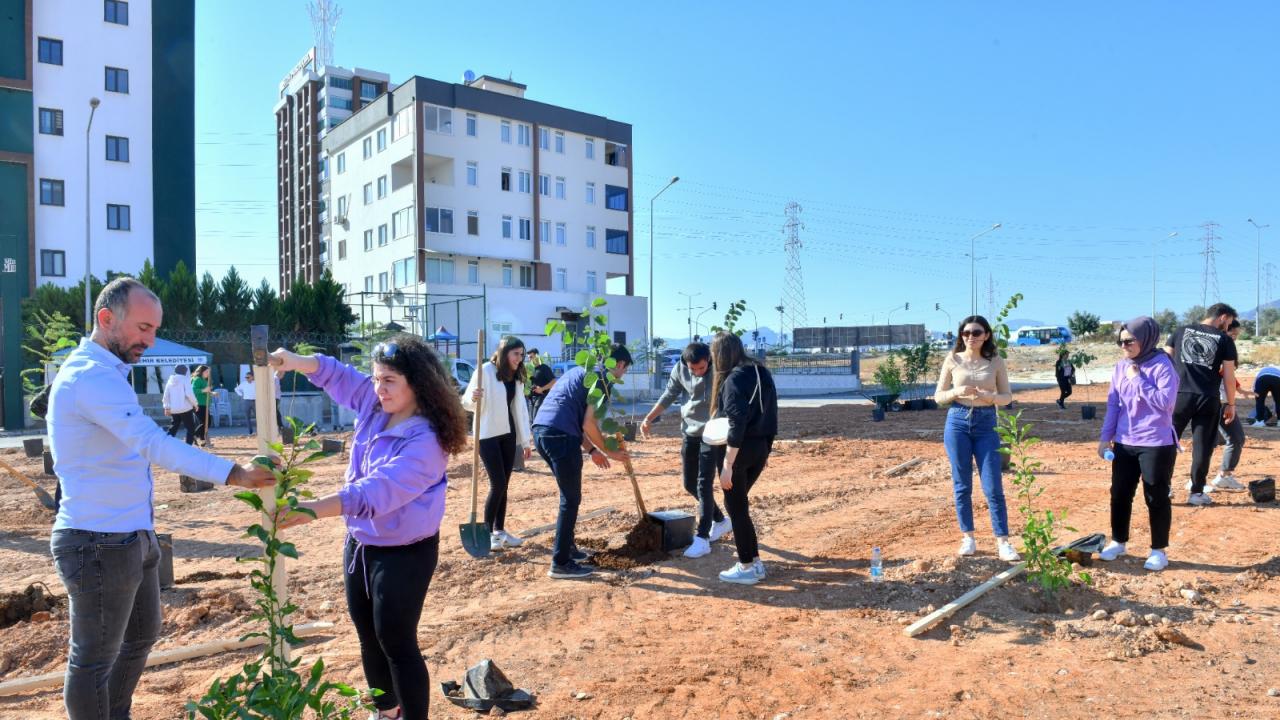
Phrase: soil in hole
pixel 643 546
pixel 207 575
pixel 19 606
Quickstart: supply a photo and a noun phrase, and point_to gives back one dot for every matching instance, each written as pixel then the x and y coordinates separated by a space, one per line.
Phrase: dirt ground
pixel 815 640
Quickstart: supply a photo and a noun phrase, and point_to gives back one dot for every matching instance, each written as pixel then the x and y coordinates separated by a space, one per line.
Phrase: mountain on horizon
pixel 1250 314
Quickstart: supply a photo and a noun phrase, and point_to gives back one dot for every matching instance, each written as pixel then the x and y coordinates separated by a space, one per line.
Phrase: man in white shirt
pixel 103 543
pixel 246 391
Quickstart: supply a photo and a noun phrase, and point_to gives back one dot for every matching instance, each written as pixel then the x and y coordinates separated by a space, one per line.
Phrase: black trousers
pixel 386 588
pixel 498 454
pixel 1267 384
pixel 752 457
pixel 1152 467
pixel 1202 412
pixel 183 419
pixel 1064 388
pixel 202 426
pixel 700 472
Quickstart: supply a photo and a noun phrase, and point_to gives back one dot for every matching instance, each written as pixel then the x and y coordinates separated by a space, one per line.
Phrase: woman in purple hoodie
pixel 408 422
pixel 1138 430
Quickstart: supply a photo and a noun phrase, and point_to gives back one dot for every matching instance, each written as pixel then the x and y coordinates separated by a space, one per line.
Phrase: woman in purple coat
pixel 408 422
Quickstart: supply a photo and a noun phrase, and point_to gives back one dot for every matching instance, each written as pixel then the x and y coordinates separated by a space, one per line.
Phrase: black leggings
pixel 202 426
pixel 498 454
pixel 386 587
pixel 183 419
pixel 1203 413
pixel 1262 386
pixel 1153 468
pixel 1064 388
pixel 752 457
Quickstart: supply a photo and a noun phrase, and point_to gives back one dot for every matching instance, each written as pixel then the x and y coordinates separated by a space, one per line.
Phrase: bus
pixel 1041 335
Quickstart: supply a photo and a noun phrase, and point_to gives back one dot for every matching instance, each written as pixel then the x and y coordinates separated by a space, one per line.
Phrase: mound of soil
pixel 18 606
pixel 642 546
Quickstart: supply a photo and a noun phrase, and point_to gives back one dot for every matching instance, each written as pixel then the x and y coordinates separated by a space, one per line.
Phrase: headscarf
pixel 1147 332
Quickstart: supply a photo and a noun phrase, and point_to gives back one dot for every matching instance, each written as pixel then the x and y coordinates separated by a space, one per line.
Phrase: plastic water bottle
pixel 877 567
pixel 1108 455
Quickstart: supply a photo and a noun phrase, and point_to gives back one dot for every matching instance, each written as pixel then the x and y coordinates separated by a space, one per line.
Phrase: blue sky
pixel 1090 130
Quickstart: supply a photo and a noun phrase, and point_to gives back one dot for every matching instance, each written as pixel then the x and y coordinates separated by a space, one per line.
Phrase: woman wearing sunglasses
pixel 975 381
pixel 408 422
pixel 1138 430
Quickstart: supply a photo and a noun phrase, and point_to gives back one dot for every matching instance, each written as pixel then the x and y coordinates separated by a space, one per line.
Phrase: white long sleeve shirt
pixel 178 397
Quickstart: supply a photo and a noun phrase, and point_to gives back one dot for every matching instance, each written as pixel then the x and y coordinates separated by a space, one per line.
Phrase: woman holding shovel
pixel 504 430
pixel 408 422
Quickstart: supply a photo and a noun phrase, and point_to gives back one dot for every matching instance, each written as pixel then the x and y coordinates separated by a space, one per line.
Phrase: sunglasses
pixel 386 351
pixel 1126 343
pixel 972 333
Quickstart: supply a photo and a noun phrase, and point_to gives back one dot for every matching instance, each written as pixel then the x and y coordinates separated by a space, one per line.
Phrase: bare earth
pixel 816 640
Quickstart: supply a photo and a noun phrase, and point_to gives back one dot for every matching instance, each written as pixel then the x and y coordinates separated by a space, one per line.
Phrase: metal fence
pixel 815 364
pixel 858 336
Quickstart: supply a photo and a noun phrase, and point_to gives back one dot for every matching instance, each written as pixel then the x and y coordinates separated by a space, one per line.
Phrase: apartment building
pixel 136 57
pixel 313 99
pixel 473 191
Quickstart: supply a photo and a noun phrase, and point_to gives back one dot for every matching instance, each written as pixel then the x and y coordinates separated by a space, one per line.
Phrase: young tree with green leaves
pixel 1083 323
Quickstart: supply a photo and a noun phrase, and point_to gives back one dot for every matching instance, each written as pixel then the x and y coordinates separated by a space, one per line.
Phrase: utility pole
pixel 690 298
pixel 793 287
pixel 1170 236
pixel 1257 308
pixel 991 296
pixel 973 268
pixel 1210 278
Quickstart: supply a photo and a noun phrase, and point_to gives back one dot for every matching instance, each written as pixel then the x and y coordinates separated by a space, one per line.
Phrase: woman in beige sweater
pixel 974 380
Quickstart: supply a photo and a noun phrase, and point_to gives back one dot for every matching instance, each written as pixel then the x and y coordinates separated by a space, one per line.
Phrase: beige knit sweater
pixel 990 376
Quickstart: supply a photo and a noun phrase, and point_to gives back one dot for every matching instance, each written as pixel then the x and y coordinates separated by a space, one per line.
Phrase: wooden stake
pixel 631 474
pixel 899 469
pixel 946 611
pixel 264 402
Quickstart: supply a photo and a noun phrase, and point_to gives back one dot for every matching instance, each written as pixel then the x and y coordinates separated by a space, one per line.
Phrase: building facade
pixel 313 99
pixel 138 59
pixel 468 205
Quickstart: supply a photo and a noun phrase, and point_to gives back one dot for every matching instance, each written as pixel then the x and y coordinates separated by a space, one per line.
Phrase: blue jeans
pixel 563 452
pixel 970 435
pixel 113 585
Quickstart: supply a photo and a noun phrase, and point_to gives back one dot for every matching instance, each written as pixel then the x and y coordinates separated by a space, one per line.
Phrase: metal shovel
pixel 475 535
pixel 42 494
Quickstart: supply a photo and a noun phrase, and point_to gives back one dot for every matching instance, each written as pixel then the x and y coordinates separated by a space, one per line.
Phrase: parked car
pixel 461 372
pixel 670 357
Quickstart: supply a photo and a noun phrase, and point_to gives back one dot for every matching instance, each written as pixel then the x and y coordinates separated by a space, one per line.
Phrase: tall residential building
pixel 138 59
pixel 468 205
pixel 313 99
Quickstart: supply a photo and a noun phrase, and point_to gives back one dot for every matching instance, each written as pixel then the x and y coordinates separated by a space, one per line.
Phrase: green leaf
pixel 251 498
pixel 595 394
pixel 611 444
pixel 553 327
pixel 288 550
pixel 601 320
pixel 315 456
pixel 583 359
pixel 599 302
pixel 610 426
pixel 610 363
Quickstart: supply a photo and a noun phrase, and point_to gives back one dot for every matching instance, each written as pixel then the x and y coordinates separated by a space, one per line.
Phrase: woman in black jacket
pixel 742 391
pixel 1065 373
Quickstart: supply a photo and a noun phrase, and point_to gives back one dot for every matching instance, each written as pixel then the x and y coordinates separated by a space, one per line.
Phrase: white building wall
pixel 90 45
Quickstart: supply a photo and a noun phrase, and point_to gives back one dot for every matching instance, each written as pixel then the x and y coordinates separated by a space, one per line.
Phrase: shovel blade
pixel 475 539
pixel 45 499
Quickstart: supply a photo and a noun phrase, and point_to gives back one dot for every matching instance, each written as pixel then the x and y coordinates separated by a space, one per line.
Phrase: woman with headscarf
pixel 1065 373
pixel 1138 430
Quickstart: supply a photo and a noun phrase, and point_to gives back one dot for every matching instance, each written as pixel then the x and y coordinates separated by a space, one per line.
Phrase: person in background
pixel 1138 430
pixel 408 423
pixel 180 404
pixel 689 378
pixel 246 391
pixel 1267 381
pixel 1230 433
pixel 540 383
pixel 975 380
pixel 504 430
pixel 200 386
pixel 742 391
pixel 1065 373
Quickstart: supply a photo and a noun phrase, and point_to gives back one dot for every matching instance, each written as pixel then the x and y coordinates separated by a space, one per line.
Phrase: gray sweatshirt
pixel 696 409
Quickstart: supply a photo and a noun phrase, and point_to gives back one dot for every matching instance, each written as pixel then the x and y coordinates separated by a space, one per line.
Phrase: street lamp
pixel 88 308
pixel 1170 236
pixel 973 267
pixel 649 330
pixel 689 297
pixel 1257 308
pixel 888 323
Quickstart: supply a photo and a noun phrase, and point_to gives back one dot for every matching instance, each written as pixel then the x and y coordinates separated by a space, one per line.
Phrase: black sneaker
pixel 569 572
pixel 579 556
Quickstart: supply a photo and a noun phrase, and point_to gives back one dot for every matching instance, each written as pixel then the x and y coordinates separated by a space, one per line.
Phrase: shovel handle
pixel 631 475
pixel 475 434
pixel 14 472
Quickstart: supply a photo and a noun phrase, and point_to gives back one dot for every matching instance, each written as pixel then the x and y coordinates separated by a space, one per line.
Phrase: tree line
pixel 1083 323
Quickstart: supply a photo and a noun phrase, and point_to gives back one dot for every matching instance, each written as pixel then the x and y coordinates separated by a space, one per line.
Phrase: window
pixel 591 193
pixel 544 230
pixel 506 179
pixel 52 192
pixel 382 282
pixel 117 148
pixel 526 229
pixel 369 91
pixel 560 142
pixel 382 139
pixel 544 138
pixel 382 187
pixel 526 276
pixel 368 193
pixel 341 83
pixel 342 208
pixel 53 263
pixel 117 80
pixel 506 227
pixel 473 222
pixel 438 119
pixel 118 217
pixel 115 11
pixel 560 188
pixel 382 234
pixel 523 136
pixel 342 163
pixel 615 198
pixel 339 102
pixel 591 281
pixel 506 131
pixel 368 240
pixel 562 279
pixel 440 271
pixel 471 124
pixel 342 249
pixel 591 236
pixel 473 174
pixel 544 185
pixel 615 154
pixel 368 283
pixel 50 121
pixel 367 148
pixel 591 149
pixel 401 124
pixel 620 337
pixel 561 234
pixel 506 276
pixel 615 241
pixel 50 51
pixel 473 272
pixel 526 181
pixel 440 220
pixel 405 272
pixel 402 222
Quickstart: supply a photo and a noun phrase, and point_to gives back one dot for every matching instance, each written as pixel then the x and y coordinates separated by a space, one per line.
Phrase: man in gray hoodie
pixel 691 378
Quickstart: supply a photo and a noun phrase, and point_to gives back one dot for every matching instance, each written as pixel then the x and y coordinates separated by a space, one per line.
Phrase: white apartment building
pixel 468 205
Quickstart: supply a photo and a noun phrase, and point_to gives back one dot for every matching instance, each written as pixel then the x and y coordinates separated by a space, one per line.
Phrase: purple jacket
pixel 395 485
pixel 1140 409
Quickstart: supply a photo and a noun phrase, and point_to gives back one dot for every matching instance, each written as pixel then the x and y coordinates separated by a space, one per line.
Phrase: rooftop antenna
pixel 324 25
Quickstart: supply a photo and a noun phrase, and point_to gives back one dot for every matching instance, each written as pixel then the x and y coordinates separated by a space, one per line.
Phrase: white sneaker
pixel 1157 561
pixel 510 540
pixel 740 574
pixel 968 546
pixel 1258 423
pixel 758 568
pixel 1199 499
pixel 700 547
pixel 718 529
pixel 1227 483
pixel 1208 487
pixel 1005 550
pixel 1112 551
pixel 495 542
